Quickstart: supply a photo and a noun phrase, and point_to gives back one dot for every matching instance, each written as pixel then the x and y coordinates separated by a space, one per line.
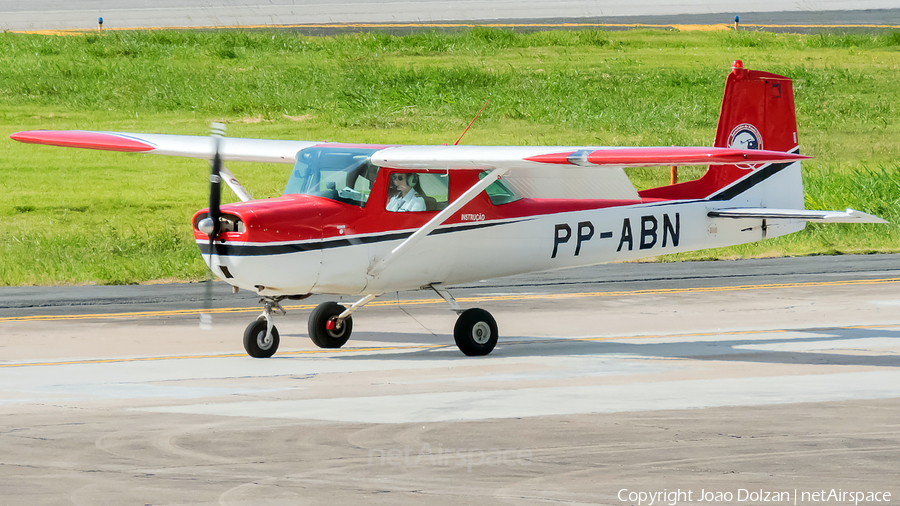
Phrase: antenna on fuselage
pixel 471 122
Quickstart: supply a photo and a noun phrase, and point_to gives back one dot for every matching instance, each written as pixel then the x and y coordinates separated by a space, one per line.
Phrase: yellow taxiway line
pixel 223 355
pixel 487 298
pixel 681 27
pixel 335 351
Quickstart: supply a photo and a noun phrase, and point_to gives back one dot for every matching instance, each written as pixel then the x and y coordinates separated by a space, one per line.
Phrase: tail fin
pixel 757 113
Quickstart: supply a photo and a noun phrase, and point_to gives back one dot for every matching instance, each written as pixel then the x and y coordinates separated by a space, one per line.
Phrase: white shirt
pixel 411 202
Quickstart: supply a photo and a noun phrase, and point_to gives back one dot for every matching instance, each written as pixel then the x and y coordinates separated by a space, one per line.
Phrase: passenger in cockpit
pixel 406 193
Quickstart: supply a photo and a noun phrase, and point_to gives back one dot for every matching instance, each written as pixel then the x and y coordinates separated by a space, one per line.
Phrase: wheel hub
pixel 264 340
pixel 336 331
pixel 481 333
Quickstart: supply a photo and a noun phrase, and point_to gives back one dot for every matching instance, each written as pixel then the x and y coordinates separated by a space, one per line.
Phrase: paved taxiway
pixel 780 375
pixel 120 14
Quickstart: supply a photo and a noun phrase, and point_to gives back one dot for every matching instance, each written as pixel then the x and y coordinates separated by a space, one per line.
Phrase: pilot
pixel 406 193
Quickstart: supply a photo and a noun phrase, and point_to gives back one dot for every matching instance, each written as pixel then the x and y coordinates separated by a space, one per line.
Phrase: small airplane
pixel 363 220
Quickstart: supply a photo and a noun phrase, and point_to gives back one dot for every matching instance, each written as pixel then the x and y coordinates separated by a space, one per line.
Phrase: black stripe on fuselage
pixel 750 181
pixel 225 249
pixel 753 179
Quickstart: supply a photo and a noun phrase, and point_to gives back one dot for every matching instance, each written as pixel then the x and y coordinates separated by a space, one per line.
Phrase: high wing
pixel 406 157
pixel 513 157
pixel 848 216
pixel 232 149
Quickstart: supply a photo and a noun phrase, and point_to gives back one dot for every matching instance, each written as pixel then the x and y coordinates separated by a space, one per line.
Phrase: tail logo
pixel 745 136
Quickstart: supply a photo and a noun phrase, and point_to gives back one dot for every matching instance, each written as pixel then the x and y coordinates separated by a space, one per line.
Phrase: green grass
pixel 75 216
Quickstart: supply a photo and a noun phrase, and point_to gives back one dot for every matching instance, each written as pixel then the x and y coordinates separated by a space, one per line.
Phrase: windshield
pixel 342 174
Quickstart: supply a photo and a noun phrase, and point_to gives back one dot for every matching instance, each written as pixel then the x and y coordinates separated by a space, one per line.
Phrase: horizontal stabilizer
pixel 848 216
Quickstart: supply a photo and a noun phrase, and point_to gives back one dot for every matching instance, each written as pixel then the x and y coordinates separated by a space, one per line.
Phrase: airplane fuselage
pixel 299 244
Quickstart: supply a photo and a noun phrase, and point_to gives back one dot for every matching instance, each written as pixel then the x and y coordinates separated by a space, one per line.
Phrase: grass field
pixel 77 216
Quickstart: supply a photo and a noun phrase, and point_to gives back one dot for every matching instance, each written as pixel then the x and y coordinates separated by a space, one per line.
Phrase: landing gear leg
pixel 475 331
pixel 261 337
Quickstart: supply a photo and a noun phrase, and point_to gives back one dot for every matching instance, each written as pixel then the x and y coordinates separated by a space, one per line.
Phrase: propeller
pixel 211 224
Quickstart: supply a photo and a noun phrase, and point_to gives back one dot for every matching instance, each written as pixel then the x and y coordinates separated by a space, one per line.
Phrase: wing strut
pixel 234 184
pixel 433 223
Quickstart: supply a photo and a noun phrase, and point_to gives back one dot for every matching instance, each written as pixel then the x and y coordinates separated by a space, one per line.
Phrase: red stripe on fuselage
pixel 295 218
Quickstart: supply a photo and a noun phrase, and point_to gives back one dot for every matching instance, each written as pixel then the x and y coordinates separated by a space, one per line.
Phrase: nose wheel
pixel 261 337
pixel 258 342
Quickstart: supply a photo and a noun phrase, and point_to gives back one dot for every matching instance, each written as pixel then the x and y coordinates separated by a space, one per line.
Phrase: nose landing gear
pixel 261 337
pixel 258 342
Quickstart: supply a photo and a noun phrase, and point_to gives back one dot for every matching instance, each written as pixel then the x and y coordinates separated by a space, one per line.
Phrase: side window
pixel 417 191
pixel 499 192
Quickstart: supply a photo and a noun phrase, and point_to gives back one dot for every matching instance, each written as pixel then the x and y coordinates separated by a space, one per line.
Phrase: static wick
pixel 737 21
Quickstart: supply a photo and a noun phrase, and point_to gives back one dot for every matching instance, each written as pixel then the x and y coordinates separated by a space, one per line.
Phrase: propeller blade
pixel 215 182
pixel 217 132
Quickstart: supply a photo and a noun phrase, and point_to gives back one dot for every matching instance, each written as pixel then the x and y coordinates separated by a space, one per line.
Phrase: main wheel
pixel 256 343
pixel 475 332
pixel 321 335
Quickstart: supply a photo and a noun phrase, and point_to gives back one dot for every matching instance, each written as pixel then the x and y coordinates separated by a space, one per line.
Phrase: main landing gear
pixel 330 325
pixel 325 329
pixel 475 332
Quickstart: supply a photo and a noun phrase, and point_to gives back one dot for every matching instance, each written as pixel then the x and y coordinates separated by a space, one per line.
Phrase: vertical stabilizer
pixel 757 113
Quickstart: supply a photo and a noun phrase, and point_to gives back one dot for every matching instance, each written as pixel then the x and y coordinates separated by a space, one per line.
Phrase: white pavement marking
pixel 447 406
pixel 865 343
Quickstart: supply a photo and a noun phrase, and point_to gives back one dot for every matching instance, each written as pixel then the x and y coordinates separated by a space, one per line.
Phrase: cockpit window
pixel 341 174
pixel 417 191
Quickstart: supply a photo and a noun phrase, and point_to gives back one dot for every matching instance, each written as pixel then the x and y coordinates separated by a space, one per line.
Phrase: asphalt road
pixel 81 300
pixel 59 14
pixel 778 377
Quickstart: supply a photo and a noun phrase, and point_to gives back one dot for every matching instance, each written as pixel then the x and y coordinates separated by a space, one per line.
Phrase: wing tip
pixel 84 139
pixel 865 217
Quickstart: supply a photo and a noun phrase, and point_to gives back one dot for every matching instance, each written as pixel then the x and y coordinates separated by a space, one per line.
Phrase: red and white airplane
pixel 363 220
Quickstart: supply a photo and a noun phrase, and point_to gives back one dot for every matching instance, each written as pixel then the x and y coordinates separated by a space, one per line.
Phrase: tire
pixel 255 340
pixel 318 319
pixel 475 332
